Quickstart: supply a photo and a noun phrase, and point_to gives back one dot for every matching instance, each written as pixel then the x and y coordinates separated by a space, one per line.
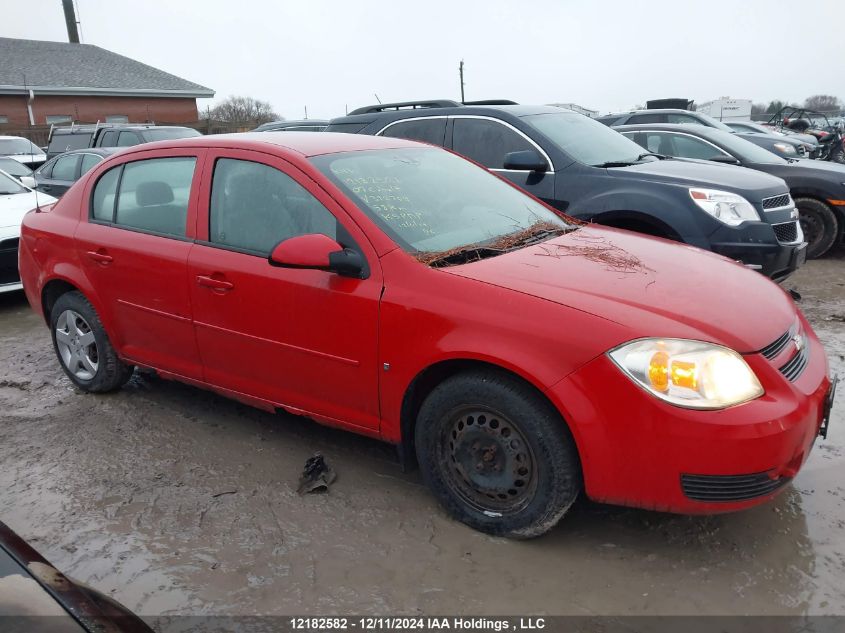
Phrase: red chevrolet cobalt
pixel 399 291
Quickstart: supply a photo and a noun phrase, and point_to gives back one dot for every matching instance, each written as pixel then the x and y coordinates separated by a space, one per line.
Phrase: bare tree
pixel 823 103
pixel 243 111
pixel 758 108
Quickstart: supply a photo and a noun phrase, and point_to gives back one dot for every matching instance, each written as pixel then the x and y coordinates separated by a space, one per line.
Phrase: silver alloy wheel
pixel 76 345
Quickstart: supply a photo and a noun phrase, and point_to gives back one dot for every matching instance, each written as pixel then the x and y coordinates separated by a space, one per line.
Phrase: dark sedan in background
pixel 781 145
pixel 818 187
pixel 304 125
pixel 59 173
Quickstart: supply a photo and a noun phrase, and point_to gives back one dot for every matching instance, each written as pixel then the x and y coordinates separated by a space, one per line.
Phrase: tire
pixel 838 154
pixel 526 468
pixel 819 224
pixel 83 347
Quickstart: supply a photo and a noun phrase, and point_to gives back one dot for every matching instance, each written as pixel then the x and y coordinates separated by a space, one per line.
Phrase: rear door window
pixel 690 147
pixel 486 141
pixel 153 195
pixel 65 168
pixel 431 130
pixel 108 139
pixel 127 139
pixel 255 206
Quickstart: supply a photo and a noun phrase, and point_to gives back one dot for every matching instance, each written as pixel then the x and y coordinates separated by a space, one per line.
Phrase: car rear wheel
pixel 497 455
pixel 819 224
pixel 83 347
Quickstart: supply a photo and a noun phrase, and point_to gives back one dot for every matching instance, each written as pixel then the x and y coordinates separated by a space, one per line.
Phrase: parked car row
pixel 395 289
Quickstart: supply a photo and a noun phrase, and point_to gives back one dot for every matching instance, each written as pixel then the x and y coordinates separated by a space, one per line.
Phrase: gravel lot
pixel 177 501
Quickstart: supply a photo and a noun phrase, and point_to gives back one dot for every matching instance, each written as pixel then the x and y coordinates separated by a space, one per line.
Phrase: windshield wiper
pixel 616 163
pixel 539 236
pixel 645 154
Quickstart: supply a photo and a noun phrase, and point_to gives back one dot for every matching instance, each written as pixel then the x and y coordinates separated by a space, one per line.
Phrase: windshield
pixel 17 146
pixel 170 133
pixel 14 168
pixel 586 140
pixel 9 185
pixel 431 201
pixel 745 150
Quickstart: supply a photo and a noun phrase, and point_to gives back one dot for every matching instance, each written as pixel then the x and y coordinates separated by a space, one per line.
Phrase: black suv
pixel 591 172
pixel 64 139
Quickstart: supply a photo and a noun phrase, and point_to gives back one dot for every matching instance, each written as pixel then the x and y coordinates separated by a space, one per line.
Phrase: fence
pixel 40 134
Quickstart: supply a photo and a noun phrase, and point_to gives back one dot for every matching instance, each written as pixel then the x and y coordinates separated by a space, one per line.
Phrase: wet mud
pixel 177 501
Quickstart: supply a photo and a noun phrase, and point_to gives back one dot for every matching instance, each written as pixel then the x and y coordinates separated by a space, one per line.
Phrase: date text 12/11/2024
pixel 415 624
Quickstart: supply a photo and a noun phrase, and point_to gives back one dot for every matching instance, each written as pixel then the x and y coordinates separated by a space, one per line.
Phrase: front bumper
pixel 755 245
pixel 639 451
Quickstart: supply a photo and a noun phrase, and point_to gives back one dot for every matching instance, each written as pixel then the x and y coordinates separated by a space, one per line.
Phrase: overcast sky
pixel 603 54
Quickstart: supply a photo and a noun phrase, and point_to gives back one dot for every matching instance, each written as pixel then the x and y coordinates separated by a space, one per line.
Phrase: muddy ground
pixel 177 501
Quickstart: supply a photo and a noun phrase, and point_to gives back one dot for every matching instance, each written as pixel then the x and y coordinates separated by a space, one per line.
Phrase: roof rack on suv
pixel 381 107
pixel 491 102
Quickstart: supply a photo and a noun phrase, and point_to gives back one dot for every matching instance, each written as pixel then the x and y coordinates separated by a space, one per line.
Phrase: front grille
pixel 9 262
pixel 776 347
pixel 786 232
pixel 794 367
pixel 730 487
pixel 775 202
pixel 802 151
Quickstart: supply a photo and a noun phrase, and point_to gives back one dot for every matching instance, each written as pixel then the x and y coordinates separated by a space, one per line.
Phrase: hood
pixel 28 158
pixel 652 286
pixel 14 207
pixel 746 182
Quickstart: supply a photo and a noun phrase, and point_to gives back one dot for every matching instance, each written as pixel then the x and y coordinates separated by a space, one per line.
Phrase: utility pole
pixel 461 73
pixel 70 20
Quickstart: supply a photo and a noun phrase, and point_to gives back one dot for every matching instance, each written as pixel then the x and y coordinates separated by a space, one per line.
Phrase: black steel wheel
pixel 496 454
pixel 488 462
pixel 819 225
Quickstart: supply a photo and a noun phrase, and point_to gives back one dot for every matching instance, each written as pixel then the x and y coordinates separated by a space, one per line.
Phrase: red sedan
pixel 399 291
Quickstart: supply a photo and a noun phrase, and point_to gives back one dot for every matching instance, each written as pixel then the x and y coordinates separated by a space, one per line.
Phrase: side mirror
pixel 526 160
pixel 28 181
pixel 318 251
pixel 727 160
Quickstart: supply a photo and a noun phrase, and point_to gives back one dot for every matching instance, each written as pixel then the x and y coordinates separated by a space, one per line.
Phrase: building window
pixel 3 119
pixel 52 119
pixel 117 118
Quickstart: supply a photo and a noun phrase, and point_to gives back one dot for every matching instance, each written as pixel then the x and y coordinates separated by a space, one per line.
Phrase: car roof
pixel 696 130
pixel 8 137
pixel 102 151
pixel 304 143
pixel 517 110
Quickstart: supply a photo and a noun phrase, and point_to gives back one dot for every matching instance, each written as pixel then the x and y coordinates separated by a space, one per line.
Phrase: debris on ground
pixel 317 475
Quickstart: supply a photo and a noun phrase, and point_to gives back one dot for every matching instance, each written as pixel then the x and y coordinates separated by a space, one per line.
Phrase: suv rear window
pixel 66 142
pixel 431 130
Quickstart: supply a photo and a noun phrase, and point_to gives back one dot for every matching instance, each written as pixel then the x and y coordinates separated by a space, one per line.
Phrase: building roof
pixel 62 68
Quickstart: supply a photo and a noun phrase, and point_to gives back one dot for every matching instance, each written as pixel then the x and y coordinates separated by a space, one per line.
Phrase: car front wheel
pixel 819 225
pixel 497 455
pixel 83 347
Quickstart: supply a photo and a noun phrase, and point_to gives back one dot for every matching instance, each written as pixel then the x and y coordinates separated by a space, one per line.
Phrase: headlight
pixel 688 374
pixel 783 148
pixel 726 207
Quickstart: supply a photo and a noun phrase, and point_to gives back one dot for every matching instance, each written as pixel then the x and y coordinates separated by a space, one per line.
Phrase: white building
pixel 576 108
pixel 726 109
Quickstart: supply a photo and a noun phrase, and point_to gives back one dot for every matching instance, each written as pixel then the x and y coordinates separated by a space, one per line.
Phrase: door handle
pixel 214 284
pixel 100 257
